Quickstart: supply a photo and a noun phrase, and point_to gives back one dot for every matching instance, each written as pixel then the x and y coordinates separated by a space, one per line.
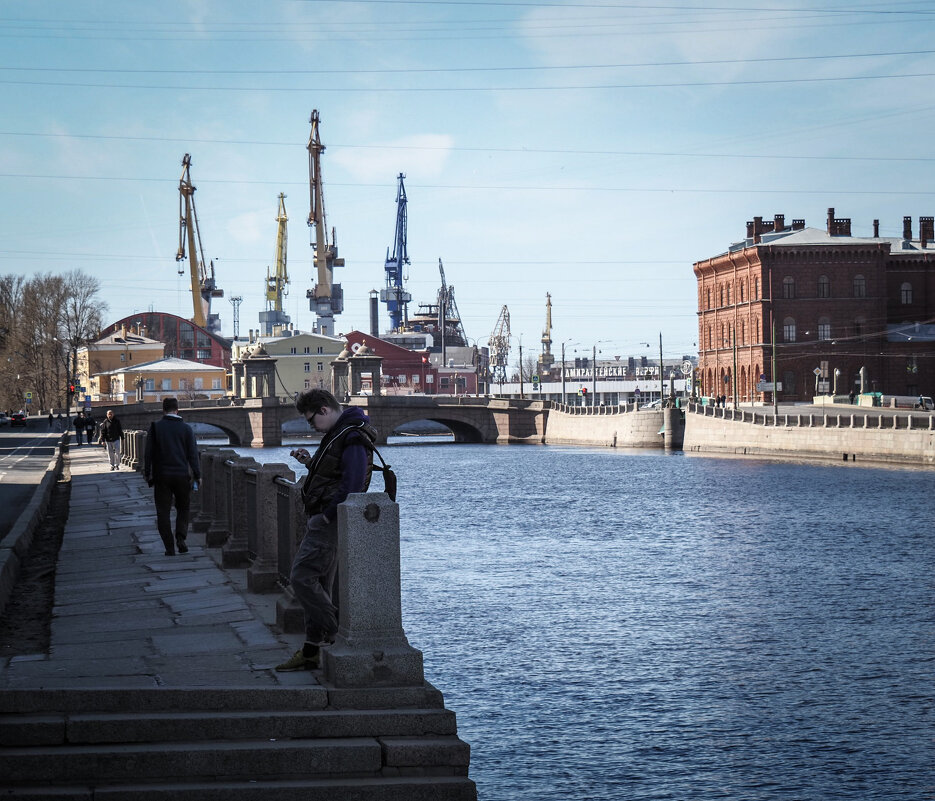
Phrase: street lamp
pixel 566 342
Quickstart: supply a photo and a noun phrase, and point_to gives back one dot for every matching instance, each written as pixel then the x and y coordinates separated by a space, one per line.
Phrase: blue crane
pixel 394 296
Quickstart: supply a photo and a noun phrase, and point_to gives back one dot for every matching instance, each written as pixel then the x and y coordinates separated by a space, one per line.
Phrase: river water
pixel 612 624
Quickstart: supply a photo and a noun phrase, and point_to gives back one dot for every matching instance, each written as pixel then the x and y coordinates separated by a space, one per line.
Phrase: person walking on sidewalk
pixel 111 432
pixel 78 423
pixel 341 465
pixel 170 464
pixel 89 426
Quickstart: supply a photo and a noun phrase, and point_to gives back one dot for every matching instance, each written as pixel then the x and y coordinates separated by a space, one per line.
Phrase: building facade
pixel 837 313
pixel 182 338
pixel 152 381
pixel 120 349
pixel 303 360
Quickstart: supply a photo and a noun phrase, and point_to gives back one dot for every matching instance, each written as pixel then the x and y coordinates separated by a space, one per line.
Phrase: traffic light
pixel 584 391
pixel 71 388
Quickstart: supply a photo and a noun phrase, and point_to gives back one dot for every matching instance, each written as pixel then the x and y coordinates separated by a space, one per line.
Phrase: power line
pixel 460 89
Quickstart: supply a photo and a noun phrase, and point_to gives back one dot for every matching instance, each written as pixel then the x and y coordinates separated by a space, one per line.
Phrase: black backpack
pixel 389 477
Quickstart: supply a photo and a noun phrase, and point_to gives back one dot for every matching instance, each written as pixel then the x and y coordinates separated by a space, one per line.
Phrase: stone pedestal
pixel 263 574
pixel 235 552
pixel 371 649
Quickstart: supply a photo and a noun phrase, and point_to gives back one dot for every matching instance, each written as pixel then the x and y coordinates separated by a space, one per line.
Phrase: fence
pixel 909 422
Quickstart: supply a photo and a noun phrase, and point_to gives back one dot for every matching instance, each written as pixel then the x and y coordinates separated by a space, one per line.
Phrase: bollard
pixel 371 649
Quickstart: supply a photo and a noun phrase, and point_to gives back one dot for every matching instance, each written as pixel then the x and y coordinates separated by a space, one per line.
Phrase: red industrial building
pixel 183 339
pixel 837 303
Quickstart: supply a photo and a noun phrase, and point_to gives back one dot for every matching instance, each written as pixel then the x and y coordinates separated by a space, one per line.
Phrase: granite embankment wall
pixel 612 426
pixel 858 437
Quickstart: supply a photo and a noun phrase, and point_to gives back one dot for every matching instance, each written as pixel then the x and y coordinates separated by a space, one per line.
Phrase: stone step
pixel 240 761
pixel 423 788
pixel 139 727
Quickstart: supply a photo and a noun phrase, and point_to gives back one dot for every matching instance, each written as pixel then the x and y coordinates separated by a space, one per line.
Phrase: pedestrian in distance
pixel 51 419
pixel 78 422
pixel 109 437
pixel 89 427
pixel 172 469
pixel 59 423
pixel 341 465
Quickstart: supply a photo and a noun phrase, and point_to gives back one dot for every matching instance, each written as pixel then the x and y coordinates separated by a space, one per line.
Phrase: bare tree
pixel 82 316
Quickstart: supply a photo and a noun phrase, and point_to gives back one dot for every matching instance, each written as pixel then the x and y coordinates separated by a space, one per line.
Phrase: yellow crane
pixel 204 286
pixel 327 298
pixel 277 285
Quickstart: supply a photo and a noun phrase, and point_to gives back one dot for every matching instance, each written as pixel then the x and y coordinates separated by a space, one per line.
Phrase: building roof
pixel 171 365
pixel 120 337
pixel 812 237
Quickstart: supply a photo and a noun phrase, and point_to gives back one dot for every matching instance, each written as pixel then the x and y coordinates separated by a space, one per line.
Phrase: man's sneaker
pixel 299 661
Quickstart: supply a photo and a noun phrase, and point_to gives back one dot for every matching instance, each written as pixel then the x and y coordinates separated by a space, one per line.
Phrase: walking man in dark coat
pixel 170 464
pixel 111 431
pixel 79 427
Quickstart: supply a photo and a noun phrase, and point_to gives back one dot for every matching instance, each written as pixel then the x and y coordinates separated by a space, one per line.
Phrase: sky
pixel 591 150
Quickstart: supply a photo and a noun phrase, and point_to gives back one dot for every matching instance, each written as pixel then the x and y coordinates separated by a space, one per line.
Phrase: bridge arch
pixel 462 431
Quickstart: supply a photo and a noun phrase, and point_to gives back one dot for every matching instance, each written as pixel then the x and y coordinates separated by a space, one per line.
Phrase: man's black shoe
pixel 180 544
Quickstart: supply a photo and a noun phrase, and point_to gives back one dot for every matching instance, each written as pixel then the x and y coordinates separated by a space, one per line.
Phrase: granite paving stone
pixel 126 615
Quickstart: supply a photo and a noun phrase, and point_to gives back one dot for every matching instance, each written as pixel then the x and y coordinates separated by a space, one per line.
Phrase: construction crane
pixel 499 343
pixel 394 296
pixel 545 358
pixel 274 319
pixel 204 286
pixel 327 298
pixel 449 319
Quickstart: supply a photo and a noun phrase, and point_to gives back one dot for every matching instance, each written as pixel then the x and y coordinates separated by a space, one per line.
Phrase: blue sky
pixel 590 150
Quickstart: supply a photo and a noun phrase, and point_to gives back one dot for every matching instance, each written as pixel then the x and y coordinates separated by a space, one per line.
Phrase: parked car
pixel 4 420
pixel 18 419
pixel 656 404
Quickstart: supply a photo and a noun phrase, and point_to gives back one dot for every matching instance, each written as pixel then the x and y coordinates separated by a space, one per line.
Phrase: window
pixel 183 383
pixel 123 357
pixel 199 383
pixel 293 351
pixel 743 332
pixel 728 294
pixel 204 354
pixel 167 384
pixel 824 329
pixel 788 330
pixel 860 286
pixel 905 293
pixel 149 384
pixel 859 325
pixel 307 367
pixel 415 379
pixel 203 340
pixel 788 287
pixel 824 286
pixel 321 367
pixel 215 383
pixel 308 384
pixel 788 381
pixel 708 298
pixel 742 290
pixel 320 350
pixel 756 288
pixel 720 295
pixel 307 349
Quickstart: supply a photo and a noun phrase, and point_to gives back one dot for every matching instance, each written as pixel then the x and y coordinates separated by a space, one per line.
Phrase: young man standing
pixel 111 431
pixel 341 465
pixel 170 462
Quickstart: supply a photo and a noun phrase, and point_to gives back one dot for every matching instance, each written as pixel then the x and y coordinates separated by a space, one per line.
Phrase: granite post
pixel 263 574
pixel 371 649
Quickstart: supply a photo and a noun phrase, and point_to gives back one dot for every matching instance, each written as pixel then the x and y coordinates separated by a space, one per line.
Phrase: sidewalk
pixel 128 616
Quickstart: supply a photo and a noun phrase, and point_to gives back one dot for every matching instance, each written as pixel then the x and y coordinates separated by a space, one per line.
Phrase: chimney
pixel 907 227
pixel 757 229
pixel 926 230
pixel 876 229
pixel 779 222
pixel 830 221
pixel 798 225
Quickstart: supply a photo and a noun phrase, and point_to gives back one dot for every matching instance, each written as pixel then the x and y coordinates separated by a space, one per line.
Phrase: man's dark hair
pixel 170 405
pixel 313 399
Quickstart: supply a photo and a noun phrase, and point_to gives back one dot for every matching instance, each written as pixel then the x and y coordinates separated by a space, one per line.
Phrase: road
pixel 25 454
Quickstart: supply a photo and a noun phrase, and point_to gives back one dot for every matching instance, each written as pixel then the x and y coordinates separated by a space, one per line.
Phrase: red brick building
pixel 183 339
pixel 838 302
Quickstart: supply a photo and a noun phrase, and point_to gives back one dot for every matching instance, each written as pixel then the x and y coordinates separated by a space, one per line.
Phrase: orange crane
pixel 277 286
pixel 327 298
pixel 204 286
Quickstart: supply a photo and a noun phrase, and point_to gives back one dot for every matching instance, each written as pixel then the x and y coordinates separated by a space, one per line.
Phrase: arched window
pixel 788 330
pixel 728 294
pixel 720 295
pixel 788 287
pixel 824 328
pixel 756 288
pixel 860 286
pixel 743 332
pixel 708 302
pixel 742 288
pixel 905 293
pixel 860 325
pixel 824 286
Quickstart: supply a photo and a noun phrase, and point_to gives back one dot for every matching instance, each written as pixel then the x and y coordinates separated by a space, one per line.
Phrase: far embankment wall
pixel 604 425
pixel 903 439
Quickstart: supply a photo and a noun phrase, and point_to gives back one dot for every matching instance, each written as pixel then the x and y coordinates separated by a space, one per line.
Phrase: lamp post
pixel 566 342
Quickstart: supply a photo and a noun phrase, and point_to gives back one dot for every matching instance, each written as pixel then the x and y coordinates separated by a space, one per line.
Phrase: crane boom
pixel 394 296
pixel 499 343
pixel 277 284
pixel 203 284
pixel 326 298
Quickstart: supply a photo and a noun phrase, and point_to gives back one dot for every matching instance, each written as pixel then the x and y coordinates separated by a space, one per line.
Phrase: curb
pixel 17 541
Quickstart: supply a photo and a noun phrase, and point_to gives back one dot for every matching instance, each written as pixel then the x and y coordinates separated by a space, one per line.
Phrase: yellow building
pixel 118 350
pixel 155 380
pixel 303 361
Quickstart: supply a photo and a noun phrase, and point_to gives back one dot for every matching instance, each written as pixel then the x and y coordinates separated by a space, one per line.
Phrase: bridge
pixel 257 422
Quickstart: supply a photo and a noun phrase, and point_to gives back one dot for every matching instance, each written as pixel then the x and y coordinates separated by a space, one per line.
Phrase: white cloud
pixel 424 155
